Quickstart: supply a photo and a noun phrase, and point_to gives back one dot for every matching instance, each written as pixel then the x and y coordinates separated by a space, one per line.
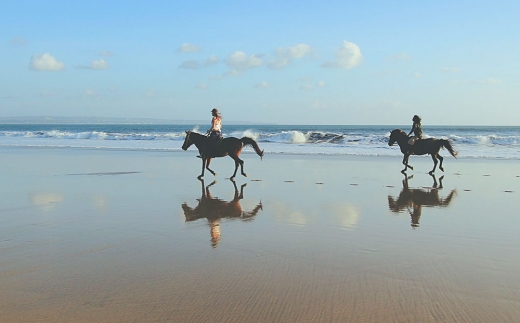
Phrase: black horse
pixel 214 209
pixel 413 199
pixel 230 146
pixel 430 146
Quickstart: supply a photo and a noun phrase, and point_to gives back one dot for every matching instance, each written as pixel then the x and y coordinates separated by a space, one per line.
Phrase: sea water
pixel 469 141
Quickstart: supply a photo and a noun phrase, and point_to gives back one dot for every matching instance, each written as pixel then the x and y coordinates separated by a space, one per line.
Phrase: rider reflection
pixel 215 209
pixel 414 199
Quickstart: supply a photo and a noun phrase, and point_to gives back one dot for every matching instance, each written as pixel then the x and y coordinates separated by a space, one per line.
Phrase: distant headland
pixel 103 120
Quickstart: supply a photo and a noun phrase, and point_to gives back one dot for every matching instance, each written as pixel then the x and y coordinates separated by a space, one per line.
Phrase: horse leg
pixel 440 164
pixel 435 161
pixel 236 168
pixel 405 163
pixel 238 162
pixel 203 166
pixel 207 167
pixel 242 167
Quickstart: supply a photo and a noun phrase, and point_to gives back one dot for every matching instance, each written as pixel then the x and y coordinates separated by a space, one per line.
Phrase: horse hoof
pixel 245 175
pixel 199 177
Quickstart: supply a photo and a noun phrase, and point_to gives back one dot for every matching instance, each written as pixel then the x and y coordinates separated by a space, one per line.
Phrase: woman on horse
pixel 215 132
pixel 216 125
pixel 416 130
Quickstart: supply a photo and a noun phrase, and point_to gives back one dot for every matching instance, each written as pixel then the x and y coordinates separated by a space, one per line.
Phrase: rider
pixel 215 132
pixel 416 130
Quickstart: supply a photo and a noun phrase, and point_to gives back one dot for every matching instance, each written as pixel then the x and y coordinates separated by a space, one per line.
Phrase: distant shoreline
pixel 101 120
pixel 53 120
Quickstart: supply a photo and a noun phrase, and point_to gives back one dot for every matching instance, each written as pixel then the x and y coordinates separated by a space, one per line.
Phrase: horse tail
pixel 446 144
pixel 246 141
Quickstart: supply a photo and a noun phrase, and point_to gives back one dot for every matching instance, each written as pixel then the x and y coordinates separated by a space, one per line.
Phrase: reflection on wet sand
pixel 214 209
pixel 414 199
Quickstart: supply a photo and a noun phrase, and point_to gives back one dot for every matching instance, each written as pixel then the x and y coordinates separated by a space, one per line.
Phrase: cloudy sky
pixel 285 62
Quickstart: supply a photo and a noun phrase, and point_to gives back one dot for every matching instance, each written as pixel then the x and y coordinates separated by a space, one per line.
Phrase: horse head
pixel 393 137
pixel 187 142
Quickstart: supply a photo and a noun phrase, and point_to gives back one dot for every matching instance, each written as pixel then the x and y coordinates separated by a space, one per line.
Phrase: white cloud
pixel 402 57
pixel 46 201
pixel 150 93
pixel 215 77
pixel 212 60
pixel 188 48
pixel 319 105
pixel 285 55
pixel 492 81
pixel 417 75
pixel 90 93
pixel 320 84
pixel 105 53
pixel 348 56
pixel 232 73
pixel 18 42
pixel 46 62
pixel 201 86
pixel 262 85
pixel 306 87
pixel 239 62
pixel 100 64
pixel 451 69
pixel 190 65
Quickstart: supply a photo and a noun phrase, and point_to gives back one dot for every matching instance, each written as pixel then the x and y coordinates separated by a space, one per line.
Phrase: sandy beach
pixel 133 236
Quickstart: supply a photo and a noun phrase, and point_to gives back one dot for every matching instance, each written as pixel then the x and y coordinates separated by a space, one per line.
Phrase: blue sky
pixel 285 62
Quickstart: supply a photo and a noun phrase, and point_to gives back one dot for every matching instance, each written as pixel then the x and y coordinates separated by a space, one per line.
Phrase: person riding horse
pixel 417 132
pixel 215 133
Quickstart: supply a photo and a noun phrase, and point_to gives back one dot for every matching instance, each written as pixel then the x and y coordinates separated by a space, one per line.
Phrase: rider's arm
pixel 212 125
pixel 411 131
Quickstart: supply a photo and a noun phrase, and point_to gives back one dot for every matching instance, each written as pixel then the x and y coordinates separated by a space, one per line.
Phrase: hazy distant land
pixel 103 120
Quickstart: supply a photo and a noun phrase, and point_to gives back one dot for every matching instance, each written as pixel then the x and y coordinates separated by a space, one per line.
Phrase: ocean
pixel 469 141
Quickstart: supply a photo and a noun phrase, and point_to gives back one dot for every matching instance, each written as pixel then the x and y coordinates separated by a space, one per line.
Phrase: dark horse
pixel 430 146
pixel 230 146
pixel 414 199
pixel 214 209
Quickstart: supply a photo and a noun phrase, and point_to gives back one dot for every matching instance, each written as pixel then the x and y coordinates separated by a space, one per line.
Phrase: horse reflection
pixel 414 199
pixel 215 209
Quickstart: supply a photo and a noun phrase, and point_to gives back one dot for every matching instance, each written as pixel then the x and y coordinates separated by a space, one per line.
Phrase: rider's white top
pixel 217 124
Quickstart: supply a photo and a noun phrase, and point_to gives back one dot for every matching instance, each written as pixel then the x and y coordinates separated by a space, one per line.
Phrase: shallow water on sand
pixel 117 236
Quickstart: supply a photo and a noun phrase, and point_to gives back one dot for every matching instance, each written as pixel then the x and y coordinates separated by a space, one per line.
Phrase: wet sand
pixel 123 236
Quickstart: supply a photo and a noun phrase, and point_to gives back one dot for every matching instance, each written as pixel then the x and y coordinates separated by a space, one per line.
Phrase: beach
pixel 133 236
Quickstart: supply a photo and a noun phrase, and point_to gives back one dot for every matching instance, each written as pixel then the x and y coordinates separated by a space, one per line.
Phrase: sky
pixel 284 62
